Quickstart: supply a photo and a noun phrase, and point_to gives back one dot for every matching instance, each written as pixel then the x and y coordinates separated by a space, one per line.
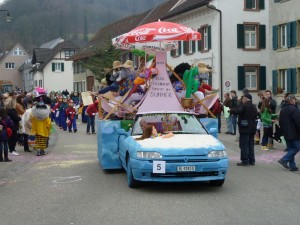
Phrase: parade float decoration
pixel 193 154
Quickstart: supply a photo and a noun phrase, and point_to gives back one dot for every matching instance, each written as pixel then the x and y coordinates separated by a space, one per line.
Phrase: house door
pixel 90 83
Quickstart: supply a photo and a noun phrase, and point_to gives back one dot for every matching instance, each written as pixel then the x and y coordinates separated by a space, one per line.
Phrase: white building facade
pixel 245 31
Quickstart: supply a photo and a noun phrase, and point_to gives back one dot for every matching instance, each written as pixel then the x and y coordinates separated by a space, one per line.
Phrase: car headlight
pixel 149 155
pixel 217 154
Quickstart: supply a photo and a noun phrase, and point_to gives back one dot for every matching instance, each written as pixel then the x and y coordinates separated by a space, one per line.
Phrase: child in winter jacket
pixel 5 124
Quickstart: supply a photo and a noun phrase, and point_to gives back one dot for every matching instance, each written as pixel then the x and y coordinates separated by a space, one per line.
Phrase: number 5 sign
pixel 159 166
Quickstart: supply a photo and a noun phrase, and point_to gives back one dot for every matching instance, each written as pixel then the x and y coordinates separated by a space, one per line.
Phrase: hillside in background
pixel 35 22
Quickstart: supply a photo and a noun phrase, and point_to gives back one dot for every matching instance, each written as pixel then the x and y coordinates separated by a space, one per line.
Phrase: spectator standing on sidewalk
pixel 289 121
pixel 10 105
pixel 247 126
pixel 5 122
pixel 267 119
pixel 226 104
pixel 273 106
pixel 233 105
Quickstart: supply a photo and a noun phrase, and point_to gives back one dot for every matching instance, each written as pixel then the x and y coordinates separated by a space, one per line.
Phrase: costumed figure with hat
pixel 41 126
pixel 55 109
pixel 62 114
pixel 71 117
pixel 123 77
pixel 75 97
pixel 53 102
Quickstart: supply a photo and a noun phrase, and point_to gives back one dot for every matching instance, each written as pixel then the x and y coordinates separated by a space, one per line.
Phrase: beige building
pixel 10 63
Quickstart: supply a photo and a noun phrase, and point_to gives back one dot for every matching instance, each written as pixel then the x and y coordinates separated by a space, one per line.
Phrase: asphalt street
pixel 67 186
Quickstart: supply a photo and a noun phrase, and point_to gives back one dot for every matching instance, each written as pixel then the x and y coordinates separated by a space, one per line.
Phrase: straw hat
pixel 202 68
pixel 128 64
pixel 117 64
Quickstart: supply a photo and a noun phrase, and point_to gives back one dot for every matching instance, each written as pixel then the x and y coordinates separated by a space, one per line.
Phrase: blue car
pixel 193 154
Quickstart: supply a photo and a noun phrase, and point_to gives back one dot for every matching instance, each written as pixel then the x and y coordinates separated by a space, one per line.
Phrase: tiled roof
pixel 161 11
pixel 45 55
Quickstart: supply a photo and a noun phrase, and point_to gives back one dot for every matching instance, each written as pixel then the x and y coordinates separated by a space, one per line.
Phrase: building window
pixel 254 5
pixel 283 36
pixel 57 67
pixel 250 36
pixel 205 43
pixel 18 51
pixel 189 47
pixel 35 83
pixel 251 78
pixel 9 65
pixel 69 53
pixel 176 52
pixel 40 83
pixel 282 81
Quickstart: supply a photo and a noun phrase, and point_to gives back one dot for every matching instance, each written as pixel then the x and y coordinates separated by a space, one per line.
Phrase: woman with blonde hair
pixel 10 105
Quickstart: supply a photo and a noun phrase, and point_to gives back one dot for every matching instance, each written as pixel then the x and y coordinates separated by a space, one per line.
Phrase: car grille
pixel 187 160
pixel 186 174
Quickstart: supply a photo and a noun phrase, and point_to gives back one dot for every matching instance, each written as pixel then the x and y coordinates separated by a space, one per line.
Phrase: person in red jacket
pixel 71 116
pixel 91 111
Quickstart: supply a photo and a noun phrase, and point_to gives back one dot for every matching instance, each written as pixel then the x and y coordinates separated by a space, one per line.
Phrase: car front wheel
pixel 132 183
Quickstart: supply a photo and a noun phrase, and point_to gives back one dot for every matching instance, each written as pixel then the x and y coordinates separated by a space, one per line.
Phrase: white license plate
pixel 186 168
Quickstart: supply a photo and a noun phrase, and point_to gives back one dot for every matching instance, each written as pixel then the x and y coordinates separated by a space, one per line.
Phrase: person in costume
pixel 150 131
pixel 76 101
pixel 123 77
pixel 71 117
pixel 62 113
pixel 41 125
pixel 55 109
pixel 91 111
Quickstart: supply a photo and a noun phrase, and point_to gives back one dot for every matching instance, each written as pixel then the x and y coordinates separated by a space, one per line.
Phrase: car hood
pixel 182 144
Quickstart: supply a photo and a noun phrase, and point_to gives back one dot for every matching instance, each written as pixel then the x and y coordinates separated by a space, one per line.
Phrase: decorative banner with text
pixel 161 95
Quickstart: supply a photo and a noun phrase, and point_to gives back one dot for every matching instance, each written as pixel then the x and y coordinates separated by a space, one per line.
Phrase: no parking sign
pixel 227 85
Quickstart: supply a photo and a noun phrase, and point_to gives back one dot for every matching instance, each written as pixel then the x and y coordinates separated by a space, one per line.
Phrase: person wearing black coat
pixel 247 114
pixel 289 122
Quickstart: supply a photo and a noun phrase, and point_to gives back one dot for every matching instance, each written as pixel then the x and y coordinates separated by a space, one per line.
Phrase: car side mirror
pixel 213 132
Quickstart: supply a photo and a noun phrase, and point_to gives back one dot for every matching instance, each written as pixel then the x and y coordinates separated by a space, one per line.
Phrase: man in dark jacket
pixel 289 121
pixel 234 104
pixel 247 114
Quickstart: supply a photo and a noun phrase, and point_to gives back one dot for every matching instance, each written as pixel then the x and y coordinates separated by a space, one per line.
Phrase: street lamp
pixel 221 46
pixel 7 18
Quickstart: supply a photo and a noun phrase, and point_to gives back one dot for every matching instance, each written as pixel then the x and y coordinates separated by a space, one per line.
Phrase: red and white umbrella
pixel 158 35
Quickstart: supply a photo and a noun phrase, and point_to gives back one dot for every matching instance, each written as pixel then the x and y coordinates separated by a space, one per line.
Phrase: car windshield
pixel 178 123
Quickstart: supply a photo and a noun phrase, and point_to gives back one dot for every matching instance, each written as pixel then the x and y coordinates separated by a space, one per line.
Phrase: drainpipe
pixel 221 47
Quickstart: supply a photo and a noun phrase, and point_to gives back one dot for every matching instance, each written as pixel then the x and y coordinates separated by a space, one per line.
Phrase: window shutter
pixel 193 46
pixel 53 67
pixel 248 4
pixel 185 47
pixel 289 80
pixel 209 37
pixel 240 36
pixel 62 67
pixel 179 47
pixel 262 78
pixel 262 36
pixel 274 82
pixel 288 31
pixel 200 41
pixel 172 53
pixel 241 77
pixel 293 34
pixel 294 80
pixel 261 4
pixel 275 37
